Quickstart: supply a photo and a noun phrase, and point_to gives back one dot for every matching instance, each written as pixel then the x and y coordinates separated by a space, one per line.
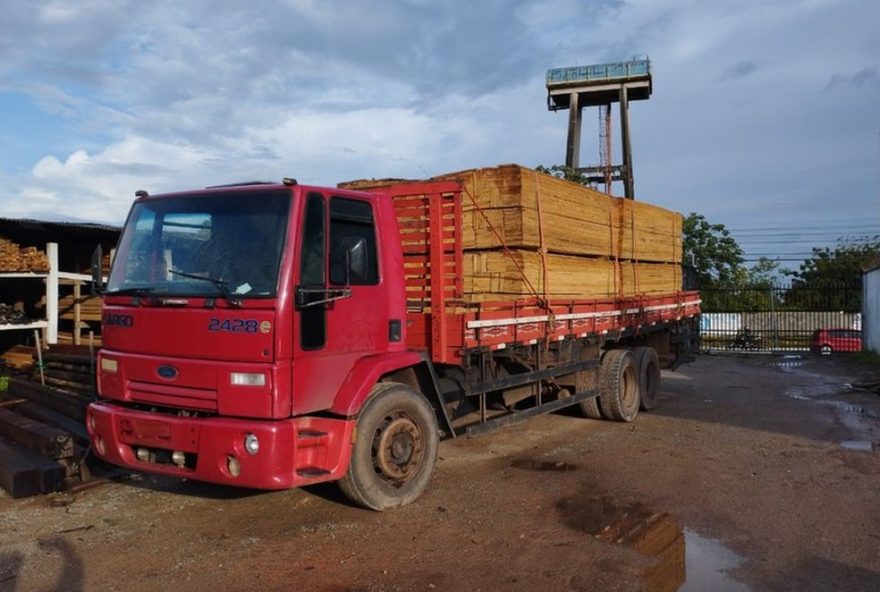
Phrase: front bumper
pixel 292 452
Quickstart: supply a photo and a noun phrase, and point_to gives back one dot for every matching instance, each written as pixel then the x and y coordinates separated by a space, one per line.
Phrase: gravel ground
pixel 755 473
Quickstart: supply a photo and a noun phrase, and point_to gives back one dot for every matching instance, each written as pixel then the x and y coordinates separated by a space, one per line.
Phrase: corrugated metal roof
pixel 28 223
pixel 871 265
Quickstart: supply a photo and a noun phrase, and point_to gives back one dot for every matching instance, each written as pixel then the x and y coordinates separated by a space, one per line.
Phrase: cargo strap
pixel 542 246
pixel 504 247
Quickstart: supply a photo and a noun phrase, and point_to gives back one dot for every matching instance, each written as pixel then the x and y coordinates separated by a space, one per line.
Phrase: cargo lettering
pixel 118 320
pixel 233 325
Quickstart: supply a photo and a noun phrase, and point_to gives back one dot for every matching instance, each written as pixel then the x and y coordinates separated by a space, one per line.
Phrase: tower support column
pixel 573 146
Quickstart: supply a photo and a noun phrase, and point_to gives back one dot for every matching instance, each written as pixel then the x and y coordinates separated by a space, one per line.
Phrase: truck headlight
pixel 109 366
pixel 251 444
pixel 247 379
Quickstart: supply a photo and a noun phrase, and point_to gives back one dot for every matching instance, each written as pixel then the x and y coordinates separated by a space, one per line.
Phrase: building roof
pixel 80 228
pixel 871 265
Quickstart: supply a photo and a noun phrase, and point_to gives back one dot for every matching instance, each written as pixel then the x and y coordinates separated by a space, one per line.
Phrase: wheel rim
pixel 630 392
pixel 398 449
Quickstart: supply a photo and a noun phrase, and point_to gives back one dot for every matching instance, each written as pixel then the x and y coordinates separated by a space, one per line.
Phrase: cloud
pixel 738 70
pixel 867 77
pixel 168 95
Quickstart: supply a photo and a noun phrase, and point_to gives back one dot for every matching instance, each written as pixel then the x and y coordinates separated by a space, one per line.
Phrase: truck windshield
pixel 206 245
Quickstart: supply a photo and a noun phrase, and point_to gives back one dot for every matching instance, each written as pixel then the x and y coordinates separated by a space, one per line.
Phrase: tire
pixel 395 449
pixel 590 408
pixel 826 350
pixel 648 365
pixel 619 385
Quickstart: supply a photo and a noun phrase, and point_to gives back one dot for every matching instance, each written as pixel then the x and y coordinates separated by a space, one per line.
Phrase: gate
pixel 784 317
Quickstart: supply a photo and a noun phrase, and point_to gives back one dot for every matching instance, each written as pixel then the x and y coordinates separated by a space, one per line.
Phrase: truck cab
pixel 242 329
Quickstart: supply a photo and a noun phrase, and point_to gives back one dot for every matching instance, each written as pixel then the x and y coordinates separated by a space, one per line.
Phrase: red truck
pixel 269 336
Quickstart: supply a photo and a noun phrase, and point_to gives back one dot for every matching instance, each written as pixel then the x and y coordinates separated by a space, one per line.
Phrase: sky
pixel 765 114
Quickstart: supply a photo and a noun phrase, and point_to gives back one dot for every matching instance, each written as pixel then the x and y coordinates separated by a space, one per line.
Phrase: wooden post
pixel 77 313
pixel 52 295
pixel 40 357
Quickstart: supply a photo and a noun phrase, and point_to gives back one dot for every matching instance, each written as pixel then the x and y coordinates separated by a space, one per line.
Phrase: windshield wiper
pixel 219 284
pixel 130 291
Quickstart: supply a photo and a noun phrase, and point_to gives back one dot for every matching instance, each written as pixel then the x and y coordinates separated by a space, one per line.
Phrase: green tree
pixel 839 265
pixel 560 171
pixel 830 279
pixel 713 253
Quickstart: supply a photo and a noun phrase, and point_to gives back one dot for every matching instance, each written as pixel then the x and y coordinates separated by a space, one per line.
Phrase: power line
pixel 861 221
pixel 855 227
pixel 832 235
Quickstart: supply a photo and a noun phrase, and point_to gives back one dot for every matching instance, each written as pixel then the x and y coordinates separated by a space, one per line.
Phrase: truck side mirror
pixel 97 270
pixel 355 260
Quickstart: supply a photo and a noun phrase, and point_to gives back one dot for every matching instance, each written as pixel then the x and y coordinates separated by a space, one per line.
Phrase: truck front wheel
pixel 395 449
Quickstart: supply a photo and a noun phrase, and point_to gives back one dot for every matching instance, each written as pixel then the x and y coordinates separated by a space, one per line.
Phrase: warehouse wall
pixel 871 310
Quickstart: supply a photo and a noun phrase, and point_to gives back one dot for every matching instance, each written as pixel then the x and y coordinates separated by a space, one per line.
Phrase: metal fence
pixel 782 318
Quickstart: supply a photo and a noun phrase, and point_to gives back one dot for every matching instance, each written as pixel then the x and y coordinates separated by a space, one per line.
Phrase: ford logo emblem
pixel 168 372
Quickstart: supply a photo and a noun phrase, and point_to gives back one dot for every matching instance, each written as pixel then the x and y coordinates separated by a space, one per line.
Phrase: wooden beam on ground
pixel 79 360
pixel 24 473
pixel 53 418
pixel 34 435
pixel 69 404
pixel 69 385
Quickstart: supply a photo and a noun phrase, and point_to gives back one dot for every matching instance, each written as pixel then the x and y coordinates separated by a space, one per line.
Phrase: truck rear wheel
pixel 648 364
pixel 619 385
pixel 395 449
pixel 590 408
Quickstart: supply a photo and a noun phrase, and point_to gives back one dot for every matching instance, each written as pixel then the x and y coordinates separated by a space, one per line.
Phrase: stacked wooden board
pixel 18 357
pixel 16 258
pixel 526 234
pixel 89 306
pixel 43 439
pixel 68 372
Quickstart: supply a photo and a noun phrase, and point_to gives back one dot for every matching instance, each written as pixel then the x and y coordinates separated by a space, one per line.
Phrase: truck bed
pixel 443 322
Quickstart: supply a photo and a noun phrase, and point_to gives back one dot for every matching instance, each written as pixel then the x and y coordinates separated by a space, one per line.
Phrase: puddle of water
pixel 859 445
pixel 789 364
pixel 682 560
pixel 707 564
pixel 789 361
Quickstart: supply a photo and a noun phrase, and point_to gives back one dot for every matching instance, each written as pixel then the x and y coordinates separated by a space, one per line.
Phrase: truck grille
pixel 172 396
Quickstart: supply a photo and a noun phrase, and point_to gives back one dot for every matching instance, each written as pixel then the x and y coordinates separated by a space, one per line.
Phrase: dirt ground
pixel 755 473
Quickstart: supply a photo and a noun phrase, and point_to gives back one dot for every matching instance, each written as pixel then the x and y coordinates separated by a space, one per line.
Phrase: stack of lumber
pixel 69 372
pixel 15 258
pixel 89 307
pixel 10 258
pixel 489 274
pixel 525 233
pixel 33 259
pixel 43 438
pixel 19 357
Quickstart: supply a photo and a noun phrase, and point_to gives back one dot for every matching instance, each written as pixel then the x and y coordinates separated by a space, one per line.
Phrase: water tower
pixel 600 85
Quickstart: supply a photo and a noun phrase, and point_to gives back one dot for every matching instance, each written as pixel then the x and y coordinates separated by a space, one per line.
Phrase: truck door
pixel 333 328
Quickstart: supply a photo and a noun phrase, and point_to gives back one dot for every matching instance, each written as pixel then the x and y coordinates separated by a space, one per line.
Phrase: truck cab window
pixel 352 218
pixel 313 323
pixel 180 245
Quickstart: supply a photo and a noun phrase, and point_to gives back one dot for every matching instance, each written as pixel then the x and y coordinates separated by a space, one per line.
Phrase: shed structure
pixel 871 306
